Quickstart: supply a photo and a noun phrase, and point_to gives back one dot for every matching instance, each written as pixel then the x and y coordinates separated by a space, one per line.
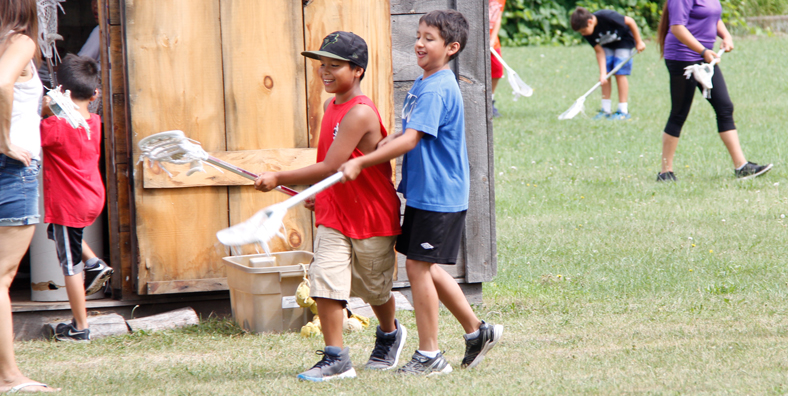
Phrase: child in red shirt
pixel 73 190
pixel 357 221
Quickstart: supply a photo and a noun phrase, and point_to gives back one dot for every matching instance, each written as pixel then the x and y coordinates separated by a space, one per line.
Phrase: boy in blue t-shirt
pixel 436 184
pixel 613 37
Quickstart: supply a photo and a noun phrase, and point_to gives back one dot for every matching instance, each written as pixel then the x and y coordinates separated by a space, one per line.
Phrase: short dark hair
pixel 579 19
pixel 80 75
pixel 452 25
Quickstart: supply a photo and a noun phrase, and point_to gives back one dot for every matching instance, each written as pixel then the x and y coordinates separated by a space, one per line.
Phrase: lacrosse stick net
pixel 579 105
pixel 63 107
pixel 267 223
pixel 47 31
pixel 175 148
pixel 703 73
pixel 519 87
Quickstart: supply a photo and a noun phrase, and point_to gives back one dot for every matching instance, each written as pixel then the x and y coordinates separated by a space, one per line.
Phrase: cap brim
pixel 318 54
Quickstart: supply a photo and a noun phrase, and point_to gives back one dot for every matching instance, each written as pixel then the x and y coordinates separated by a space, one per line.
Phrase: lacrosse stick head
pixel 259 229
pixel 576 108
pixel 173 147
pixel 519 87
pixel 63 107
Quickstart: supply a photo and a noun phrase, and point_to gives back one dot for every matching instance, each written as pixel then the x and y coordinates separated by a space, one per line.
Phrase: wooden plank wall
pixel 478 256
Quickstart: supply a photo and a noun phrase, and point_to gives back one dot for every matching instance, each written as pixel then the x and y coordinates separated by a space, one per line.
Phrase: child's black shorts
pixel 433 237
pixel 68 241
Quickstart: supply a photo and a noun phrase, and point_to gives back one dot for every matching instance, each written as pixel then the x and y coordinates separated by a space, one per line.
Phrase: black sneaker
pixel 667 176
pixel 477 347
pixel 751 169
pixel 422 365
pixel 496 113
pixel 96 277
pixel 331 367
pixel 385 356
pixel 69 332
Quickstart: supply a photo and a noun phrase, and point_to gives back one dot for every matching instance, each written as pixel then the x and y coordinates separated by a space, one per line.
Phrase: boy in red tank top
pixel 358 222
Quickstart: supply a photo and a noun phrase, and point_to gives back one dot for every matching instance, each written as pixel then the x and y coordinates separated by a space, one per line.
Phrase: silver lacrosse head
pixel 576 108
pixel 519 87
pixel 173 147
pixel 260 228
pixel 63 107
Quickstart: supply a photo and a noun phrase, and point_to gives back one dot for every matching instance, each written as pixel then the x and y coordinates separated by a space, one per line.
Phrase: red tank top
pixel 363 208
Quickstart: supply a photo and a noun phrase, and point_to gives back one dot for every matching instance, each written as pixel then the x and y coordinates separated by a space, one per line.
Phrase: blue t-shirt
pixel 435 174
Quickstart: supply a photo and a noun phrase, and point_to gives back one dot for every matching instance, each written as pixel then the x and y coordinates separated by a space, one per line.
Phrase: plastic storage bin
pixel 262 291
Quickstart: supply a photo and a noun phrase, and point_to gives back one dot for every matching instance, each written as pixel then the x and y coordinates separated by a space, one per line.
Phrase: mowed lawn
pixel 608 282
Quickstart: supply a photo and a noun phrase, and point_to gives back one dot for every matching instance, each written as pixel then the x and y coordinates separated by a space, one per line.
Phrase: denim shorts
pixel 18 192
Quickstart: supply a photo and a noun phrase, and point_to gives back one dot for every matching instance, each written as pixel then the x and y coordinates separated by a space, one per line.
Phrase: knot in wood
pixel 294 238
pixel 268 82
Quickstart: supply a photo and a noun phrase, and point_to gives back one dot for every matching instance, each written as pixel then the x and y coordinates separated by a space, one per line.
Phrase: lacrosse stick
pixel 267 223
pixel 63 107
pixel 519 87
pixel 578 106
pixel 47 32
pixel 703 73
pixel 174 147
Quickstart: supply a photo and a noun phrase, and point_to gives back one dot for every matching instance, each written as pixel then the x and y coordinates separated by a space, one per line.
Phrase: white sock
pixel 622 107
pixel 471 336
pixel 745 164
pixel 429 354
pixel 607 105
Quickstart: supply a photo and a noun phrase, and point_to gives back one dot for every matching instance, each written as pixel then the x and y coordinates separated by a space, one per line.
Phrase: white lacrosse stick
pixel 703 73
pixel 578 106
pixel 47 28
pixel 267 223
pixel 63 107
pixel 174 147
pixel 519 87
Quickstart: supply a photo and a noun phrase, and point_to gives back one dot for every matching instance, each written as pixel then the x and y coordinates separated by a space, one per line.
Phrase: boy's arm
pixel 602 62
pixel 359 121
pixel 639 44
pixel 396 147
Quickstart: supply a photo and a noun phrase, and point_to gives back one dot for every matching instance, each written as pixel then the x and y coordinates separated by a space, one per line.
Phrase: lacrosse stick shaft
pixel 717 59
pixel 612 72
pixel 306 194
pixel 245 173
pixel 500 59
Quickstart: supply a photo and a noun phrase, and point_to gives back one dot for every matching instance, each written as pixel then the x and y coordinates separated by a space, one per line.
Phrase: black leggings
pixel 682 90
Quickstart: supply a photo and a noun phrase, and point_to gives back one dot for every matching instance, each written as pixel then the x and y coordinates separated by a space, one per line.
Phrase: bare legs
pixel 729 138
pixel 75 288
pixel 622 83
pixel 332 318
pixel 430 285
pixel 15 241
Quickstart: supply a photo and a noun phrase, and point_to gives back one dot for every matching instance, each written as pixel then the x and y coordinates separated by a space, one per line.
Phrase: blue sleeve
pixel 427 114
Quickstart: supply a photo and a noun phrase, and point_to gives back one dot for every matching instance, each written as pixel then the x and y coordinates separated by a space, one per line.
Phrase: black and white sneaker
pixel 331 367
pixel 477 347
pixel 666 176
pixel 385 356
pixel 69 332
pixel 422 365
pixel 96 277
pixel 751 170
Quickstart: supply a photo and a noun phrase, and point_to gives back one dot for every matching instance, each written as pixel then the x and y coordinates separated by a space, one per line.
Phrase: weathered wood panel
pixel 114 11
pixel 175 82
pixel 265 100
pixel 418 6
pixel 187 286
pixel 372 21
pixel 474 68
pixel 255 161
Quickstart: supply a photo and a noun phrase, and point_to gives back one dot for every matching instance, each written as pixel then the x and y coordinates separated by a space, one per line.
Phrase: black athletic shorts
pixel 68 241
pixel 433 237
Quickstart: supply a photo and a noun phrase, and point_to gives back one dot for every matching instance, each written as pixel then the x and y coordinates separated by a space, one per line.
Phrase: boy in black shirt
pixel 613 37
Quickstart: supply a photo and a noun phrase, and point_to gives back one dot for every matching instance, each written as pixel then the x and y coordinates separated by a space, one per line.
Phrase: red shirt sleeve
pixel 50 132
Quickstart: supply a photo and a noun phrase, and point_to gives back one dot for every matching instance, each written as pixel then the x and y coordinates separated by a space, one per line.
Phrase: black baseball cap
pixel 344 46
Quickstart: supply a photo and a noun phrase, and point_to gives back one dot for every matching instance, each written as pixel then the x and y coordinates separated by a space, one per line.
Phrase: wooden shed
pixel 229 73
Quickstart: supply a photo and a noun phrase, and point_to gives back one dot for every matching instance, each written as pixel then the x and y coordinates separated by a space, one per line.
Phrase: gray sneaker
pixel 751 169
pixel 96 277
pixel 69 332
pixel 331 367
pixel 422 365
pixel 477 347
pixel 385 356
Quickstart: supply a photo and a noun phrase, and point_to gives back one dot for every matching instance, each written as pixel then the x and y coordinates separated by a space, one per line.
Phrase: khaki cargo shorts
pixel 346 267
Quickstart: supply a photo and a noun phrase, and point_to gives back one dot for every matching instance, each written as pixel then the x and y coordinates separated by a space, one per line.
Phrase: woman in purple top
pixel 687 32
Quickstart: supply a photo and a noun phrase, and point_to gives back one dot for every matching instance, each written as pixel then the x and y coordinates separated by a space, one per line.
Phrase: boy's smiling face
pixel 432 53
pixel 338 76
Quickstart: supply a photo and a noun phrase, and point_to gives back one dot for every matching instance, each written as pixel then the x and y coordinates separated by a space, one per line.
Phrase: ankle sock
pixel 332 350
pixel 745 164
pixel 607 105
pixel 91 263
pixel 429 354
pixel 623 107
pixel 471 336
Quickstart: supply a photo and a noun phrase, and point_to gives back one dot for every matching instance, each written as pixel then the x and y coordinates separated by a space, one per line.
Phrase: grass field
pixel 608 283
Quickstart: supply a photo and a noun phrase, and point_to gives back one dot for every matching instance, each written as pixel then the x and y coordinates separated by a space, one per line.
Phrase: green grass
pixel 599 285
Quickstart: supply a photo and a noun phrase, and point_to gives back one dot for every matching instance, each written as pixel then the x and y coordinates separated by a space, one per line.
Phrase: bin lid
pixel 285 262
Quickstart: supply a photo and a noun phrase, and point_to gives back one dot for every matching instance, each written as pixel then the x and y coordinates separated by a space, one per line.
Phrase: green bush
pixel 546 22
